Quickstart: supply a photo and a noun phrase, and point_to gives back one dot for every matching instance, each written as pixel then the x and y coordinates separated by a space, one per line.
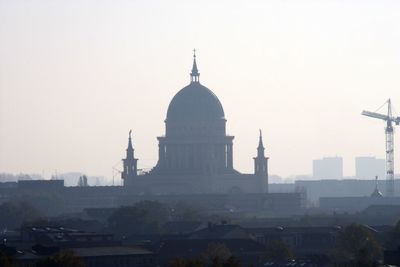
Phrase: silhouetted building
pixel 328 168
pixel 195 155
pixel 301 240
pixel 220 231
pixel 369 167
pixel 195 166
pixel 376 193
pixel 391 257
pixel 130 162
pixel 41 185
pixel 94 249
pixel 355 204
pixel 248 251
pixel 338 188
pixel 61 237
pixel 116 256
pixel 181 227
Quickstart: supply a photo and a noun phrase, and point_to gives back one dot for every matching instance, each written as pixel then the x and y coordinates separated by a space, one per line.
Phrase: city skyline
pixel 71 90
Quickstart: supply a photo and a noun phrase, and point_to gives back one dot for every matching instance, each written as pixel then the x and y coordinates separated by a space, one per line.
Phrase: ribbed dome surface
pixel 195 102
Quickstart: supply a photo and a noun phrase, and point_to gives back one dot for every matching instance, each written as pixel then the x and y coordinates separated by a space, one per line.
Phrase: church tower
pixel 195 140
pixel 261 164
pixel 376 193
pixel 130 163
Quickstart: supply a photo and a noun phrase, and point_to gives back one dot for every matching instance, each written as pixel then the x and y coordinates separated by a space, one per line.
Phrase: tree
pixel 278 251
pixel 14 213
pixel 62 259
pixel 5 260
pixel 178 262
pixel 83 181
pixel 185 212
pixel 145 217
pixel 357 245
pixel 41 222
pixel 155 211
pixel 393 239
pixel 231 262
pixel 47 202
pixel 216 254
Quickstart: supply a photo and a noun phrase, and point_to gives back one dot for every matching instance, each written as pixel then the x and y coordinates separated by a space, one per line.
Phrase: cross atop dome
pixel 195 74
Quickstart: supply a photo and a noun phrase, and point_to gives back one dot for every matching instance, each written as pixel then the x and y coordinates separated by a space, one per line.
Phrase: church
pixel 195 156
pixel 195 166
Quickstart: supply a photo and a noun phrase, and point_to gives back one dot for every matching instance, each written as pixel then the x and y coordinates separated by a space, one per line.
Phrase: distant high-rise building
pixel 328 168
pixel 369 167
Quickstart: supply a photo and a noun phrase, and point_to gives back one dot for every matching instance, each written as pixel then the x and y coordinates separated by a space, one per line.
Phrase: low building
pixel 249 252
pixel 303 241
pixel 355 204
pixel 115 256
pixel 391 257
pixel 220 231
pixel 94 249
pixel 65 238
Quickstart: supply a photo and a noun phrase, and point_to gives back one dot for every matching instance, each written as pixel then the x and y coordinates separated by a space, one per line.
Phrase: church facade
pixel 195 155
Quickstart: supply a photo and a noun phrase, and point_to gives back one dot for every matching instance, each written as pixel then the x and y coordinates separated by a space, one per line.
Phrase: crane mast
pixel 389 159
pixel 389 144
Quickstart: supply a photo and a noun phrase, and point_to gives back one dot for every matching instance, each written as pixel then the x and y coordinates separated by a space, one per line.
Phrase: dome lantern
pixel 195 74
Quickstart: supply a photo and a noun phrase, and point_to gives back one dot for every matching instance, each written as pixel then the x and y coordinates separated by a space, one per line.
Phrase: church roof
pixel 195 102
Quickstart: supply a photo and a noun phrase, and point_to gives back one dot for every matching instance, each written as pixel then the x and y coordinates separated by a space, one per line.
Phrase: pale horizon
pixel 76 76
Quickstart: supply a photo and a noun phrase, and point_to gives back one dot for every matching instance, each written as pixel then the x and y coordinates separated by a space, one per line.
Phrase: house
pixel 248 251
pixel 220 231
pixel 115 256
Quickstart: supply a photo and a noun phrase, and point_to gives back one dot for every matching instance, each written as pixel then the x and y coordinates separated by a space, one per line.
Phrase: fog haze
pixel 76 76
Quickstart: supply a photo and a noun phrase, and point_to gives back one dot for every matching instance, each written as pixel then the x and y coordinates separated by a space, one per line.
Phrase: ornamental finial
pixel 194 75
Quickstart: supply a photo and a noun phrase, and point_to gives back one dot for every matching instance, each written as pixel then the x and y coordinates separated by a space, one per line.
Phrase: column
pixel 161 155
pixel 229 156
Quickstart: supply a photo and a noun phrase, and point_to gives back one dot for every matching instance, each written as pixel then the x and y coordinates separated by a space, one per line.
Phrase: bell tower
pixel 130 163
pixel 261 164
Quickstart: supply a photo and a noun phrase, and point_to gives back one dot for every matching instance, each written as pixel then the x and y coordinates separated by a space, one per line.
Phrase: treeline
pixel 27 208
pixel 145 217
pixel 14 213
pixel 148 217
pixel 8 177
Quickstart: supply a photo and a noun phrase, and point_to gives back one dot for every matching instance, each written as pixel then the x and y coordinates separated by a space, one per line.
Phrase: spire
pixel 194 75
pixel 261 165
pixel 260 141
pixel 376 192
pixel 130 163
pixel 130 147
pixel 260 148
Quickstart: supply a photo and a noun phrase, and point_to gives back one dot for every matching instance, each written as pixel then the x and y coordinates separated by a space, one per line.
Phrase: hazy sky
pixel 75 76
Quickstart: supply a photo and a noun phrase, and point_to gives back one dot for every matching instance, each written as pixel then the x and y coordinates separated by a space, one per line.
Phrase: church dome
pixel 195 102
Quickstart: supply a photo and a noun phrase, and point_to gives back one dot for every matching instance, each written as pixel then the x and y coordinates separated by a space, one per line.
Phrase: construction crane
pixel 389 143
